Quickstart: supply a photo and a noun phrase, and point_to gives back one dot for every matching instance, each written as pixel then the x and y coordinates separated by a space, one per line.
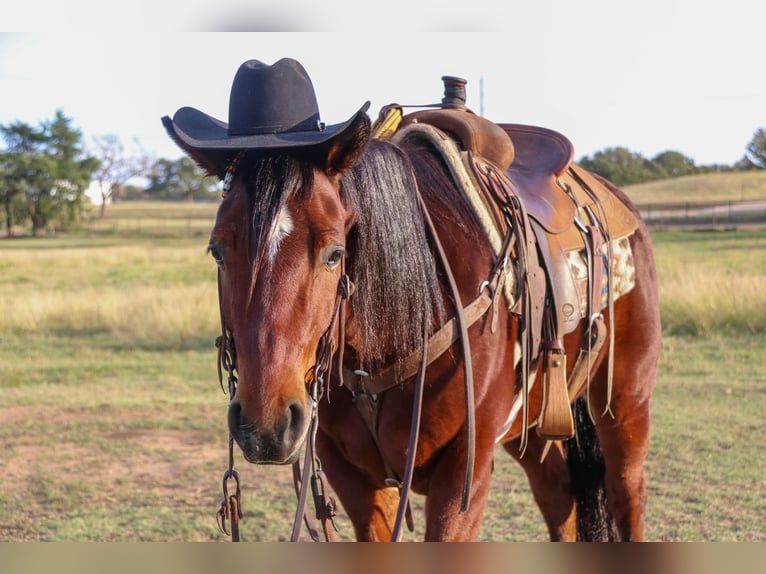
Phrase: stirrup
pixel 555 420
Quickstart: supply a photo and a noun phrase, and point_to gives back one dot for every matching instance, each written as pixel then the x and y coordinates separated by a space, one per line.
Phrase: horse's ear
pixel 344 150
pixel 213 162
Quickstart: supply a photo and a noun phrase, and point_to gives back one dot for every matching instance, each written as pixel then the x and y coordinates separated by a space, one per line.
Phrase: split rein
pixel 312 474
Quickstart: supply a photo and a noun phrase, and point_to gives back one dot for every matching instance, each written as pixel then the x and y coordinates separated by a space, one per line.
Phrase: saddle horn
pixel 454 92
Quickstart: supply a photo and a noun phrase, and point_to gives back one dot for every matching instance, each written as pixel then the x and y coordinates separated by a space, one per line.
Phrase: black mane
pixel 397 296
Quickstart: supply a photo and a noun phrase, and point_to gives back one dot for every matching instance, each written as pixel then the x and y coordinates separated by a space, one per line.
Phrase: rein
pixel 312 474
pixel 231 506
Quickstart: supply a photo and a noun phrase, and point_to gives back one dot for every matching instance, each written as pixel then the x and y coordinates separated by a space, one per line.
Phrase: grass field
pixel 728 186
pixel 112 424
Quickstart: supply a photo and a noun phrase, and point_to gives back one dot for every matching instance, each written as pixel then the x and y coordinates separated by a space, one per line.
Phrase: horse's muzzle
pixel 278 445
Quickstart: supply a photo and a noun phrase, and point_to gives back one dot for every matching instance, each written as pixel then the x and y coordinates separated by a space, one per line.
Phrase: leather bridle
pixel 312 474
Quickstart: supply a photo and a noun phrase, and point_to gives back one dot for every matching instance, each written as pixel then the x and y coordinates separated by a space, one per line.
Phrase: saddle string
pixel 603 226
pixel 600 225
pixel 516 219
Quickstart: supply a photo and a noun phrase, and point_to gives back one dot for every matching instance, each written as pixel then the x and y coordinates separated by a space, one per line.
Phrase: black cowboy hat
pixel 269 107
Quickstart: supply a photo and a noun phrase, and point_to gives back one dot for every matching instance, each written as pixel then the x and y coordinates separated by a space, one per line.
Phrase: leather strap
pixel 438 344
pixel 312 472
pixel 532 286
pixel 602 222
pixel 367 387
pixel 470 406
pixel 404 490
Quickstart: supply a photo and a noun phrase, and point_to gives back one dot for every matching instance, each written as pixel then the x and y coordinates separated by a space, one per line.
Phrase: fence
pixel 704 215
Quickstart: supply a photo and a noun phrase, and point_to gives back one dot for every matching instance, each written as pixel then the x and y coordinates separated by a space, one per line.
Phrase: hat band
pixel 309 125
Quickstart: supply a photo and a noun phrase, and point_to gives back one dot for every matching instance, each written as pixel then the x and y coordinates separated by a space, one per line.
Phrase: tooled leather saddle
pixel 529 185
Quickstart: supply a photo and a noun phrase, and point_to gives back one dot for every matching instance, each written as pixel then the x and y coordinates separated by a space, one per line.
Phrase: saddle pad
pixel 622 268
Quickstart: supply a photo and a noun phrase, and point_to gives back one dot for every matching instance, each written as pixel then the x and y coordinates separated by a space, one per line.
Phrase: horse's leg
pixel 549 481
pixel 444 521
pixel 624 438
pixel 624 442
pixel 371 509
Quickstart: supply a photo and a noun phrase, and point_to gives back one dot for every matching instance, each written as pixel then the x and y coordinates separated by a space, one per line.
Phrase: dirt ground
pixel 119 470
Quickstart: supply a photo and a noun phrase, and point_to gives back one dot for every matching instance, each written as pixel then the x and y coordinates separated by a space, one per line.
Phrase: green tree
pixel 180 179
pixel 11 191
pixel 45 167
pixel 673 164
pixel 756 149
pixel 621 166
pixel 16 165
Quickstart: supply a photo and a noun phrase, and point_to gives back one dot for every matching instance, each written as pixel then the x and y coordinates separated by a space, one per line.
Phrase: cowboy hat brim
pixel 193 129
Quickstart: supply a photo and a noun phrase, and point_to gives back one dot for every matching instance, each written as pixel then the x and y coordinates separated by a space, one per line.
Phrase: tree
pixel 15 166
pixel 673 164
pixel 11 194
pixel 11 186
pixel 620 166
pixel 178 179
pixel 116 167
pixel 48 169
pixel 756 149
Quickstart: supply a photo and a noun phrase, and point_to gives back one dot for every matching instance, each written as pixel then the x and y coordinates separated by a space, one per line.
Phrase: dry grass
pixel 701 302
pixel 730 186
pixel 712 283
pixel 138 315
pixel 137 292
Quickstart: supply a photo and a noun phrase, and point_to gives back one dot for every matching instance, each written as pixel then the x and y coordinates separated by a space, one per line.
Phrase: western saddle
pixel 539 209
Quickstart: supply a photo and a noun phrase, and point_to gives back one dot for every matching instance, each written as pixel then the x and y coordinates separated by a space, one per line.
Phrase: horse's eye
pixel 333 256
pixel 218 252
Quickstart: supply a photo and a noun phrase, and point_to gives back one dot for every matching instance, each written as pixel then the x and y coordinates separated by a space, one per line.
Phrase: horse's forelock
pixel 271 180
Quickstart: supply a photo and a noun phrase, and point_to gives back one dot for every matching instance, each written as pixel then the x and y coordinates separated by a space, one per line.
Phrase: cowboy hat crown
pixel 270 106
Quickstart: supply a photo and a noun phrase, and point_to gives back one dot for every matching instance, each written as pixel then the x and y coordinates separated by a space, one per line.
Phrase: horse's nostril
pixel 235 417
pixel 296 421
pixel 277 442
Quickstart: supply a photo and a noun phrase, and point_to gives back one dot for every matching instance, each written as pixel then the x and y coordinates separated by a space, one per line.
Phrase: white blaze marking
pixel 282 227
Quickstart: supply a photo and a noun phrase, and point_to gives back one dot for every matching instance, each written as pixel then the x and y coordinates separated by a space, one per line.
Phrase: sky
pixel 662 75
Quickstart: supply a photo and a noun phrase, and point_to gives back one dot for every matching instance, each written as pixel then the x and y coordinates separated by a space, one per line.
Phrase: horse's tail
pixel 586 470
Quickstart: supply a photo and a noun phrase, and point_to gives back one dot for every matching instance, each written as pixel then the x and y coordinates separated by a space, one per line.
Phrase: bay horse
pixel 382 225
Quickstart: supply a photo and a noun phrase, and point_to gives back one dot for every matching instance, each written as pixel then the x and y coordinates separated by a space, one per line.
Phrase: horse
pixel 346 258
